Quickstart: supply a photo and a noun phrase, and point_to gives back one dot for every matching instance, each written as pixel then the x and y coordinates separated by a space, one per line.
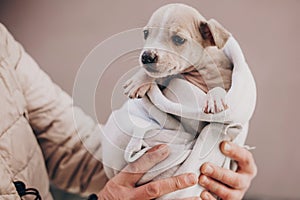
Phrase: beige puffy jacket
pixel 38 138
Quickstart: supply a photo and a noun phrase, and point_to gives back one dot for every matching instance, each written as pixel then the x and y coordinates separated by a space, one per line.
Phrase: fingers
pixel 133 172
pixel 225 176
pixel 123 185
pixel 225 183
pixel 217 188
pixel 205 195
pixel 191 198
pixel 158 188
pixel 242 156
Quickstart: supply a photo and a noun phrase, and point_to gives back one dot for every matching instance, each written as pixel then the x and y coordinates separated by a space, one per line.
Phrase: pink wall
pixel 59 34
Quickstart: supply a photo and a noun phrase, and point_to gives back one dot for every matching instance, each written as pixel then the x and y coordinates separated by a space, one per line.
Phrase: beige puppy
pixel 179 40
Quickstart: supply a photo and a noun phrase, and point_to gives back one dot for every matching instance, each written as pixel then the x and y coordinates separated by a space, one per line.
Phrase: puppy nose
pixel 149 57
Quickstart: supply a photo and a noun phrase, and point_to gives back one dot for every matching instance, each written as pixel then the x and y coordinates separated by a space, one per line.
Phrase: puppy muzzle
pixel 149 57
pixel 149 60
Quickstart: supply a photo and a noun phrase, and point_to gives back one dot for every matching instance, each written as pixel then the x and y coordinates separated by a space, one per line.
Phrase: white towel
pixel 143 123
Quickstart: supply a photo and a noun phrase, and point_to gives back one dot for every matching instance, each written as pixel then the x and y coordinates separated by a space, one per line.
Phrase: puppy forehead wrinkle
pixel 179 30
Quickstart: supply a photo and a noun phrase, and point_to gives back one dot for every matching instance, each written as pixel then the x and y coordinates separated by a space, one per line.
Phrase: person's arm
pixel 227 184
pixel 50 113
pixel 123 185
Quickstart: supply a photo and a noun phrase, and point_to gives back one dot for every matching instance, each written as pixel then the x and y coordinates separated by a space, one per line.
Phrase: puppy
pixel 181 44
pixel 179 40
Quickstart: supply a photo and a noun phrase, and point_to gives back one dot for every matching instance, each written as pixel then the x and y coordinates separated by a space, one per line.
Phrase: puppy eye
pixel 177 40
pixel 146 33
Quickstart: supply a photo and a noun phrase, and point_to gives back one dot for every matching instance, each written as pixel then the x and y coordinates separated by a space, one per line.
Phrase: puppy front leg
pixel 215 100
pixel 138 85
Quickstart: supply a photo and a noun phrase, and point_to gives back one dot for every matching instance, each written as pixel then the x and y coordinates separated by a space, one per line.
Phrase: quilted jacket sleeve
pixel 71 166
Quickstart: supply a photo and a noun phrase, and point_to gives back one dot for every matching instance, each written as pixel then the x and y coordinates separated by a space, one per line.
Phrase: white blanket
pixel 174 116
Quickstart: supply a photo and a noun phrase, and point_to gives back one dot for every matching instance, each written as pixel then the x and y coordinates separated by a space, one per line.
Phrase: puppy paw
pixel 138 85
pixel 137 91
pixel 215 101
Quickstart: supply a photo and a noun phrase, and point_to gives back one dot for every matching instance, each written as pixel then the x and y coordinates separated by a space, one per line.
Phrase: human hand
pixel 227 184
pixel 123 185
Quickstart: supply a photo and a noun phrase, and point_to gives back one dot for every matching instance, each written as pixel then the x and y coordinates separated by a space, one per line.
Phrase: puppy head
pixel 175 38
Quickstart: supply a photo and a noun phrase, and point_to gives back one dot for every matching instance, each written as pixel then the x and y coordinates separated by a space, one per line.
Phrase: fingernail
pixel 205 196
pixel 203 180
pixel 191 179
pixel 227 147
pixel 208 169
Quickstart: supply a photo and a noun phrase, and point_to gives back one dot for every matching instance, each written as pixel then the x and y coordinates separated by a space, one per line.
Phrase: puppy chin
pixel 156 73
pixel 162 74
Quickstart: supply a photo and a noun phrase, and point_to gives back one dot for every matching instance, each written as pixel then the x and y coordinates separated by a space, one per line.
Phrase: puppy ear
pixel 213 33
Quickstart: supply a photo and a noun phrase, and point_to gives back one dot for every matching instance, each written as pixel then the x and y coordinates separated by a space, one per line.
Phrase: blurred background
pixel 59 34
